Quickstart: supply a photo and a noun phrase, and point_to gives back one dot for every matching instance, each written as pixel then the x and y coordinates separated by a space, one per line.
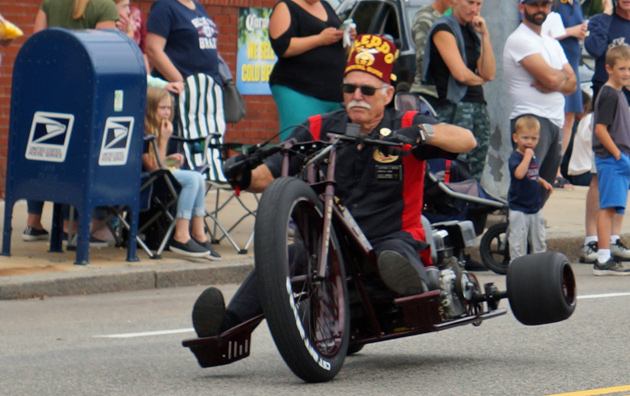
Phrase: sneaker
pixel 619 251
pixel 399 274
pixel 31 234
pixel 213 254
pixel 190 248
pixel 208 313
pixel 589 253
pixel 610 267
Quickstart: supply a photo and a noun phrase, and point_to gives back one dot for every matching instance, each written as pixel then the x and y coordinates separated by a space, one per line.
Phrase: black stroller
pixel 451 193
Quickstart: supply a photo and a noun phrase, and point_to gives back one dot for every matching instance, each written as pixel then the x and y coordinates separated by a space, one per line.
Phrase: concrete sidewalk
pixel 32 271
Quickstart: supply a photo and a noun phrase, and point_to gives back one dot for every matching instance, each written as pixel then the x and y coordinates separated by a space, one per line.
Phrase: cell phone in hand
pixel 346 24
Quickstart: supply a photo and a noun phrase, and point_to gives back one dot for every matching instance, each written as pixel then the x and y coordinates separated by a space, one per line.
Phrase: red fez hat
pixel 373 54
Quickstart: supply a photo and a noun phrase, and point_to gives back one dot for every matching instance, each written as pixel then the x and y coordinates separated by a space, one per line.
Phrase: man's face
pixel 366 109
pixel 466 10
pixel 623 5
pixel 536 13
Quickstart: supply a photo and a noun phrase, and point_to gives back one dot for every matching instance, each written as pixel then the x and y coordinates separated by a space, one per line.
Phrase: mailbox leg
pixel 6 233
pixel 133 232
pixel 57 229
pixel 83 237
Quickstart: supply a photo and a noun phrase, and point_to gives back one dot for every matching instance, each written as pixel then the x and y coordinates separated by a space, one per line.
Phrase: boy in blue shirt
pixel 611 145
pixel 524 196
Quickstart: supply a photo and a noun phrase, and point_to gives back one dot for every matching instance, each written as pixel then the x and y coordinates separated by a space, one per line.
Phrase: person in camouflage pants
pixel 467 64
pixel 473 116
pixel 423 20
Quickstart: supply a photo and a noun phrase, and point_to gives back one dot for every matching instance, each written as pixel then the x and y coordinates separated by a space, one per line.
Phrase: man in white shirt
pixel 539 76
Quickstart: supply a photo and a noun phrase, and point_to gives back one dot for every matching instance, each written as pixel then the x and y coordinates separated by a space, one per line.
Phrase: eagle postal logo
pixel 49 136
pixel 116 140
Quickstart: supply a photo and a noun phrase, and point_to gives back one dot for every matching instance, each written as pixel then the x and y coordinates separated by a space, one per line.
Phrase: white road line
pixel 179 331
pixel 605 295
pixel 145 333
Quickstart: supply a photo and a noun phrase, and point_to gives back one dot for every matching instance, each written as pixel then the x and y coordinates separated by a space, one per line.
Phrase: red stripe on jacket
pixel 315 126
pixel 413 195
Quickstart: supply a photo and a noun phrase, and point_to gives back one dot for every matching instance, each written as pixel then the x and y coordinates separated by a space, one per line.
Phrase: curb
pixel 120 279
pixel 126 278
pixel 570 246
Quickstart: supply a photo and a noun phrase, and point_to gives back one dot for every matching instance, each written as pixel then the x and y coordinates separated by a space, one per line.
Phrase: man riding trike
pixel 341 239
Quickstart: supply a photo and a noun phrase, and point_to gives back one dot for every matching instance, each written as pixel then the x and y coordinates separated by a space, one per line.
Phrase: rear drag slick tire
pixel 541 288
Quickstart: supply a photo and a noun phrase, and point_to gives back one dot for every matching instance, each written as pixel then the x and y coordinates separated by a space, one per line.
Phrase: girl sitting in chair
pixel 189 238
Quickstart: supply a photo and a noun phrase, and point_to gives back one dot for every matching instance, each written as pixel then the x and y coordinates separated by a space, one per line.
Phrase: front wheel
pixel 307 316
pixel 541 288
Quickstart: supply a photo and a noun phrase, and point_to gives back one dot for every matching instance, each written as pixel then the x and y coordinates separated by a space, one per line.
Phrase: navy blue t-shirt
pixel 191 37
pixel 524 194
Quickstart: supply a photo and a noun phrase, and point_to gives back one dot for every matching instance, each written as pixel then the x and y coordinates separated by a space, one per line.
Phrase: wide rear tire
pixel 541 288
pixel 308 317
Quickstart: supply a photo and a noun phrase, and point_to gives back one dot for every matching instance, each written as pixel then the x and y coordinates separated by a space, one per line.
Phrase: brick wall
pixel 260 123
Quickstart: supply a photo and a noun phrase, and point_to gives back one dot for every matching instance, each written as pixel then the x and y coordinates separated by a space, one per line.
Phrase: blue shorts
pixel 613 182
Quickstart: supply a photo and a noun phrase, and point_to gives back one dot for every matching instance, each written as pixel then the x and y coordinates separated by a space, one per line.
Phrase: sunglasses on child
pixel 366 90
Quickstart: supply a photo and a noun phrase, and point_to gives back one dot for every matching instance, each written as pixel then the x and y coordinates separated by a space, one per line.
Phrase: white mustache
pixel 359 103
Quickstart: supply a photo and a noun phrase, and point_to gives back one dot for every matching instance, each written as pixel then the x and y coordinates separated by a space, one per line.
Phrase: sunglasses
pixel 366 90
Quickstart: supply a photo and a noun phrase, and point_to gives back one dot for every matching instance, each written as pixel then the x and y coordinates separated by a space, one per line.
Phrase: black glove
pixel 413 136
pixel 238 171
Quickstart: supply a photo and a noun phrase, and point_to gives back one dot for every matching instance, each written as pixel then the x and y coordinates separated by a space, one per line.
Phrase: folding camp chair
pixel 201 129
pixel 159 191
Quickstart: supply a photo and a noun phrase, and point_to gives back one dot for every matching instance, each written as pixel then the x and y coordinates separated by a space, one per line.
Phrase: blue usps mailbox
pixel 75 134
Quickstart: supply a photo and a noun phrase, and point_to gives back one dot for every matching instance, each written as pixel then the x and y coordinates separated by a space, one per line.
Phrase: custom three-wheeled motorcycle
pixel 320 288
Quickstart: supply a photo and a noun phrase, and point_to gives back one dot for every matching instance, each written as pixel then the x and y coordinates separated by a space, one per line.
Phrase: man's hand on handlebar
pixel 413 136
pixel 238 171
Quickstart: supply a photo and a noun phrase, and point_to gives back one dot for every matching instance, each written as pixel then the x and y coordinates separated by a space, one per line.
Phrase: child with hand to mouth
pixel 525 197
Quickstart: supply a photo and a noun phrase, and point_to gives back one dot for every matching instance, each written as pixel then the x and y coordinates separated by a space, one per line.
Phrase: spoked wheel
pixel 494 248
pixel 308 317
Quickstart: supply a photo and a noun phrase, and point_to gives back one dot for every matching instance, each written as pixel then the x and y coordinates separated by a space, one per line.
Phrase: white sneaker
pixel 619 251
pixel 589 253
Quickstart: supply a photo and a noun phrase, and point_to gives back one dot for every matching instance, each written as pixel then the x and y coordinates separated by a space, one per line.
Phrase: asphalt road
pixel 130 344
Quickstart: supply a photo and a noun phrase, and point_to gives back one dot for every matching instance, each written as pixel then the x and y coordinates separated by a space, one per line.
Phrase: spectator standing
pixel 611 26
pixel 70 14
pixel 582 169
pixel 132 25
pixel 76 14
pixel 181 40
pixel 459 59
pixel 422 22
pixel 306 79
pixel 539 76
pixel 524 198
pixel 131 22
pixel 570 30
pixel 611 145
